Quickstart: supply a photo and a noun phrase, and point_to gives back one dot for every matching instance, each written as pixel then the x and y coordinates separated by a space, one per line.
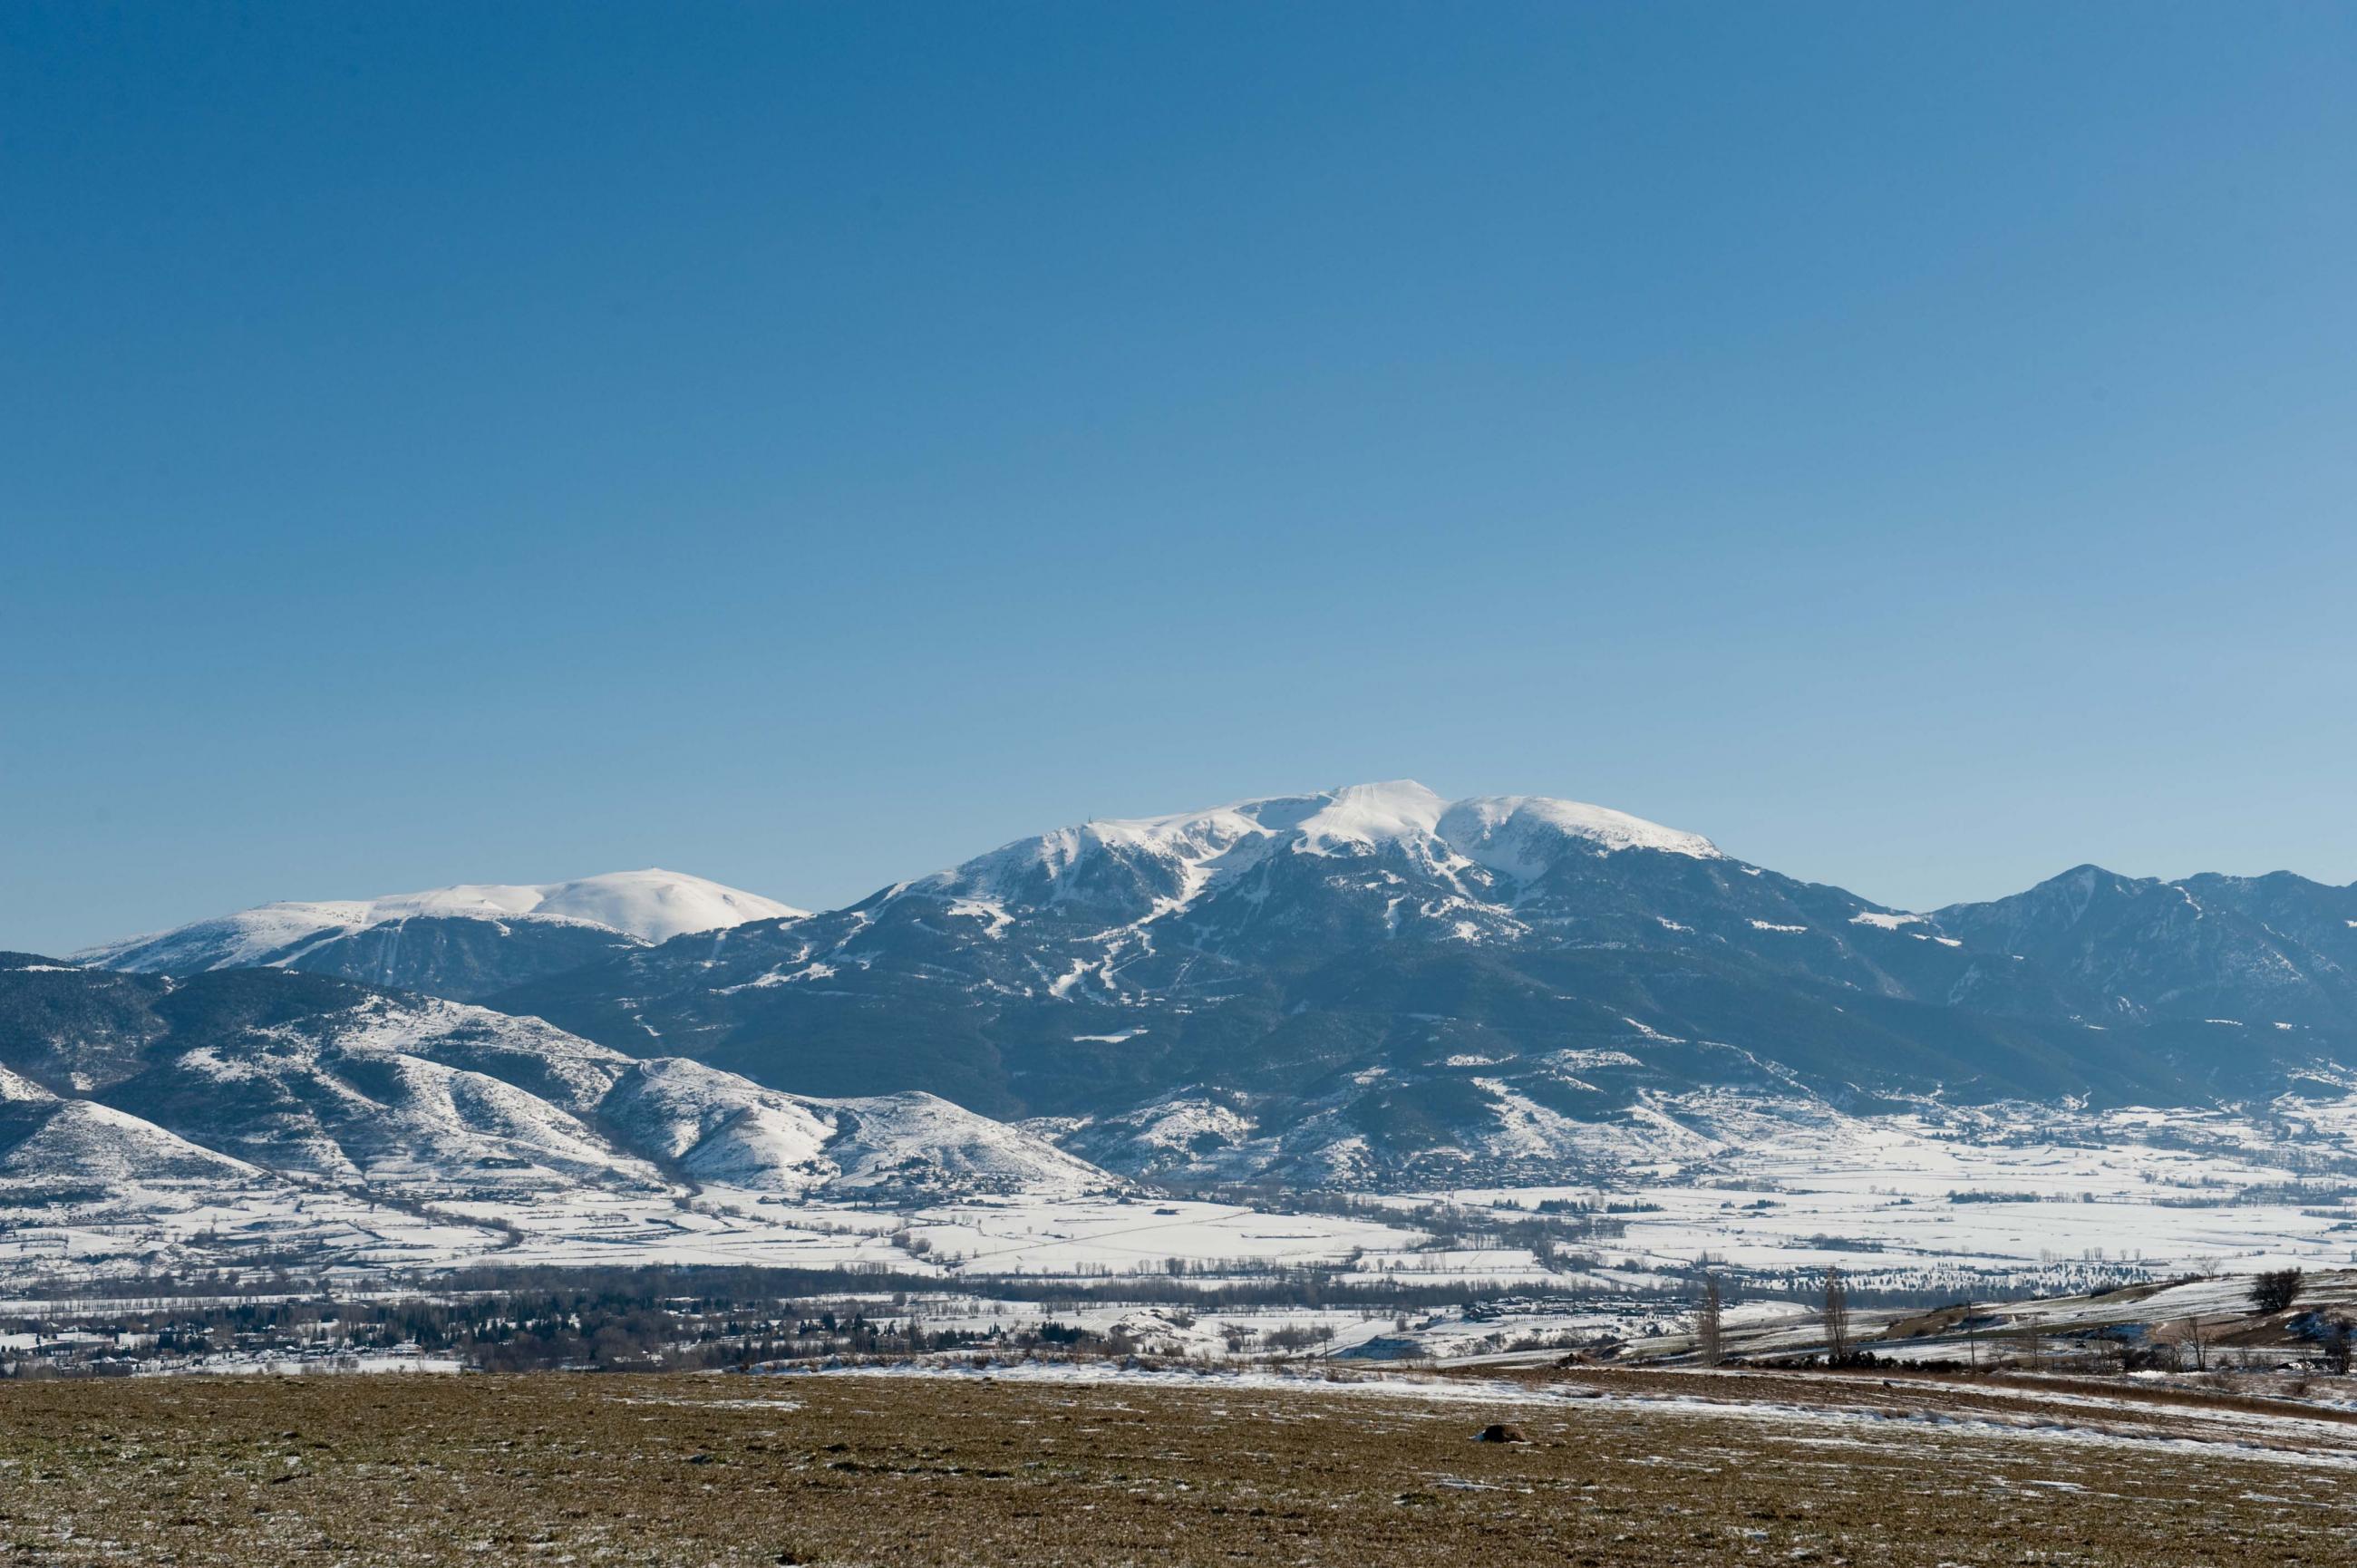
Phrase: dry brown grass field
pixel 1619 1468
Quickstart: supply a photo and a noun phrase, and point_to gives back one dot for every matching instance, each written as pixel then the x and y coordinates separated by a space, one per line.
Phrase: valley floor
pixel 1969 1202
pixel 1077 1464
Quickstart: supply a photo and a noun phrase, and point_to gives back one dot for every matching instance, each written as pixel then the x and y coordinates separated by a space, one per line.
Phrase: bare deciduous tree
pixel 1707 1322
pixel 2192 1338
pixel 1836 1317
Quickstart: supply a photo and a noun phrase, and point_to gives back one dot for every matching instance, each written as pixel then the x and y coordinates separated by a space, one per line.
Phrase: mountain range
pixel 1375 983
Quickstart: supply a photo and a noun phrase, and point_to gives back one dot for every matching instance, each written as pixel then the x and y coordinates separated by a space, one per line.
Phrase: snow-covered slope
pixel 50 1140
pixel 890 1143
pixel 718 1128
pixel 460 942
pixel 1521 835
pixel 653 904
pixel 382 1093
pixel 722 1130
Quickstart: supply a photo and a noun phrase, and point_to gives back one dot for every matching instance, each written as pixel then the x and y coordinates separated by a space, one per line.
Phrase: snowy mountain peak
pixel 1401 810
pixel 654 904
pixel 1361 814
pixel 460 942
pixel 1504 832
pixel 1351 817
pixel 1176 856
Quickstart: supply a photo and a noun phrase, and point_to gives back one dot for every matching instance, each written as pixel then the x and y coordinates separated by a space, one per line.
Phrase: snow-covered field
pixel 2011 1188
pixel 345 1235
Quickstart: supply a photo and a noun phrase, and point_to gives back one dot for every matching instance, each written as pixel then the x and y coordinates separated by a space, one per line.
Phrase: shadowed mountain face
pixel 1411 973
pixel 450 956
pixel 2263 949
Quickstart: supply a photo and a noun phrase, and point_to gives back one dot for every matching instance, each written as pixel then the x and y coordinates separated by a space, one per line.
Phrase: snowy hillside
pixel 460 942
pixel 262 1095
pixel 50 1142
pixel 718 1128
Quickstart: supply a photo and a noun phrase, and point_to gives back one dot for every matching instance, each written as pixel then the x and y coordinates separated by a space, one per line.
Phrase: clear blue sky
pixel 806 445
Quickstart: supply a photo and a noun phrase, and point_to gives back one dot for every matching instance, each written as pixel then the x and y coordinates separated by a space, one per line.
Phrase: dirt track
pixel 1624 1468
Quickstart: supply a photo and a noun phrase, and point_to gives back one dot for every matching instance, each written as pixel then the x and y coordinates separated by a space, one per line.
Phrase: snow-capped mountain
pixel 1374 973
pixel 1369 983
pixel 458 942
pixel 239 1076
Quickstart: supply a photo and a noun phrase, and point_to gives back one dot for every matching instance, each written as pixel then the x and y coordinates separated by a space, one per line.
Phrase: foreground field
pixel 1073 1466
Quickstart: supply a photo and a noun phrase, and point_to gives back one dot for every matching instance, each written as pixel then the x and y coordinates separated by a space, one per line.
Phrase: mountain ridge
pixel 460 942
